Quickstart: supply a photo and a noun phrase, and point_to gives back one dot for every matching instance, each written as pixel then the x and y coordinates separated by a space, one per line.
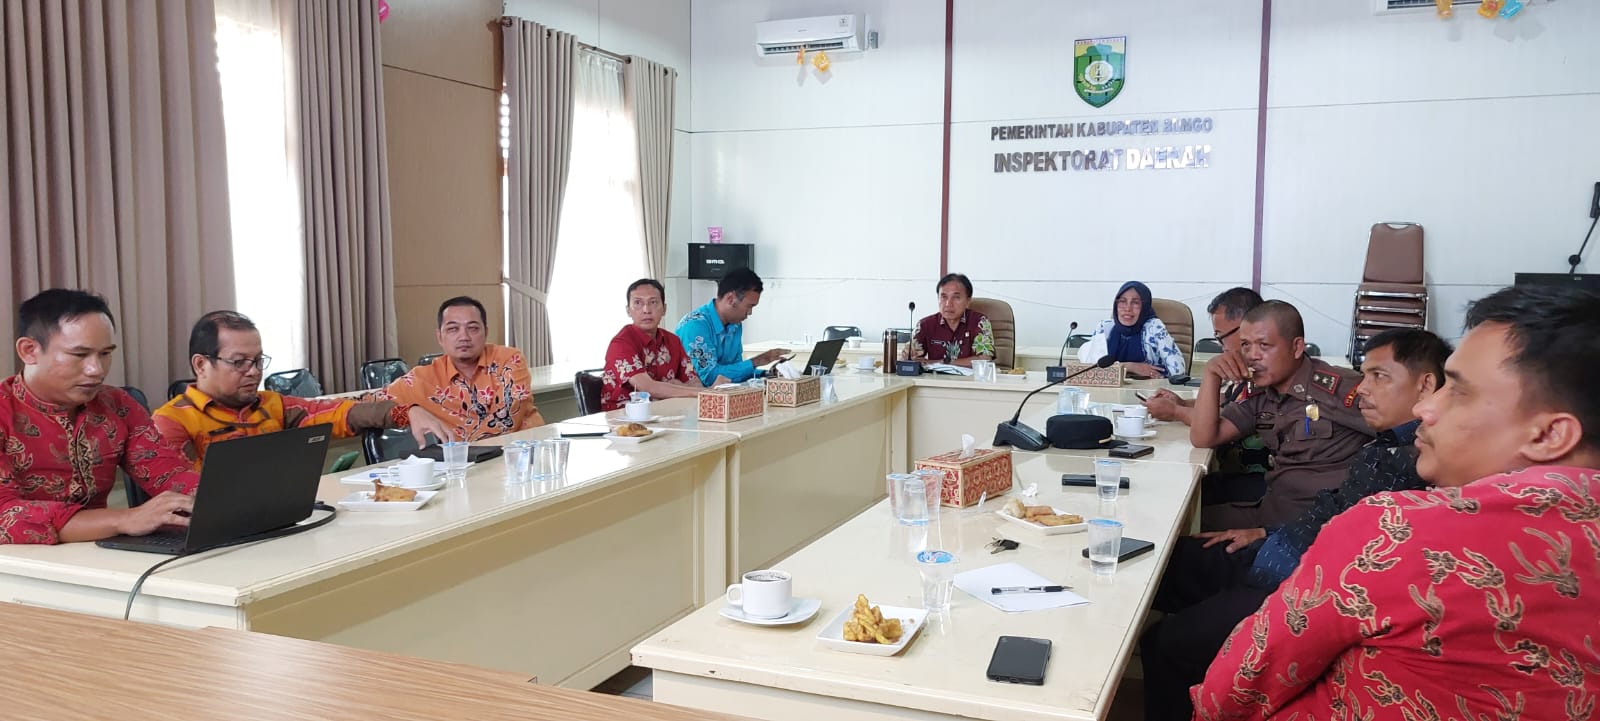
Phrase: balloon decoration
pixel 1487 9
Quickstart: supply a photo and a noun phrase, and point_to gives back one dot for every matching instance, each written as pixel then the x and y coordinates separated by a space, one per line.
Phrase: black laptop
pixel 825 354
pixel 248 486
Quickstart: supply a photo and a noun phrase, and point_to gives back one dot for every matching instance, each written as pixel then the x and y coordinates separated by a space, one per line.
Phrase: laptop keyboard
pixel 165 540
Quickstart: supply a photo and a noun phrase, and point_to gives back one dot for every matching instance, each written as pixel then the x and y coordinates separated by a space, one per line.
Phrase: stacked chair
pixel 1392 293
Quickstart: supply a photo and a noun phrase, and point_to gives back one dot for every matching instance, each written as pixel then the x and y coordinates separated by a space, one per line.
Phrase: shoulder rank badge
pixel 1326 381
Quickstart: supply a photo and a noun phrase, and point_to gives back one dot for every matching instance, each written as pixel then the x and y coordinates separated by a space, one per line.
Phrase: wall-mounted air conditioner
pixel 833 33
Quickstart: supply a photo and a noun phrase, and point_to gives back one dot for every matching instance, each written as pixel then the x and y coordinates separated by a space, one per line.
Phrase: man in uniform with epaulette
pixel 1303 409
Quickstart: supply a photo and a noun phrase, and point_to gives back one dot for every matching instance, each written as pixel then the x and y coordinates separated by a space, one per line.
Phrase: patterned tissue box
pixel 1099 377
pixel 966 479
pixel 792 393
pixel 725 404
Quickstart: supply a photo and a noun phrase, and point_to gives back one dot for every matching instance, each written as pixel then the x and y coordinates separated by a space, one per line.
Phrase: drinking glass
pixel 1107 477
pixel 938 569
pixel 550 459
pixel 910 499
pixel 1105 540
pixel 516 457
pixel 455 460
pixel 983 371
pixel 1072 400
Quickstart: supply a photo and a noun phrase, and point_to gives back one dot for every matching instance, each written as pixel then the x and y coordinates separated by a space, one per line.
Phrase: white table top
pixel 942 670
pixel 851 391
pixel 236 576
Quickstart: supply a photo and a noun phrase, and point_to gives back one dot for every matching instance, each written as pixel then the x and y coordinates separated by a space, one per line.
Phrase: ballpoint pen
pixel 1001 591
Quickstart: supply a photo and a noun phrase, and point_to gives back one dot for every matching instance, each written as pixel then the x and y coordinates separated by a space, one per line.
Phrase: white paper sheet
pixel 977 582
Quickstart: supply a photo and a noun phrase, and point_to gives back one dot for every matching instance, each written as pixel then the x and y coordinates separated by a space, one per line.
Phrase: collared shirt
pixel 1463 603
pixel 193 421
pixel 1308 455
pixel 498 399
pixel 972 336
pixel 1388 463
pixel 632 352
pixel 56 461
pixel 715 349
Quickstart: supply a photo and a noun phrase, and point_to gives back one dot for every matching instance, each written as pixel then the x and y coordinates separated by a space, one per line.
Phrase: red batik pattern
pixel 1467 603
pixel 56 461
pixel 632 352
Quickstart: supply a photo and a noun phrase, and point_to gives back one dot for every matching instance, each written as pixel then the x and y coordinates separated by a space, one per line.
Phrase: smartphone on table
pixel 1019 659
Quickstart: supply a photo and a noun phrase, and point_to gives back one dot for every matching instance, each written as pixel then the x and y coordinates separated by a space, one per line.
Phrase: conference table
pixel 72 667
pixel 561 579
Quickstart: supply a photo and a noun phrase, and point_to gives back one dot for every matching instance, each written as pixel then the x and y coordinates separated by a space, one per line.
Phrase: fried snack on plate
pixel 1015 509
pixel 1064 519
pixel 1036 511
pixel 381 492
pixel 867 625
pixel 632 430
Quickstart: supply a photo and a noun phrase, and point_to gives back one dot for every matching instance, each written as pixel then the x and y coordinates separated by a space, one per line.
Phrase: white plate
pixel 1046 530
pixel 625 419
pixel 1011 377
pixel 802 610
pixel 1137 437
pixel 911 621
pixel 365 478
pixel 631 440
pixel 362 501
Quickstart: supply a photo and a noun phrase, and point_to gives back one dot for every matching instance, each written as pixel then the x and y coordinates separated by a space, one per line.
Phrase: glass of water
pixel 938 569
pixel 516 457
pixel 910 499
pixel 455 460
pixel 1107 477
pixel 1105 542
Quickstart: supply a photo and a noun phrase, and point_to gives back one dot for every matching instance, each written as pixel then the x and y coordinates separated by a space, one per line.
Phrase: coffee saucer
pixel 802 610
pixel 1149 433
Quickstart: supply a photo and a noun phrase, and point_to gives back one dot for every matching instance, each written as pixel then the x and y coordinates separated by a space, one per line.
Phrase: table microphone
pixel 1058 372
pixel 1014 433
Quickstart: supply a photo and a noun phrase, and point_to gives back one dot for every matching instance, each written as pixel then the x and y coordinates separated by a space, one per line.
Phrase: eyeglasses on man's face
pixel 243 365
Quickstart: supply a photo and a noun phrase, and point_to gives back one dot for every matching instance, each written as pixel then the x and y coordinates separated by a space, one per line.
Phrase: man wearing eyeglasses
pixel 223 403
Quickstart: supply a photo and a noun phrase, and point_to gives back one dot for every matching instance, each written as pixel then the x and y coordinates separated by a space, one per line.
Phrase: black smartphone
pixel 1130 547
pixel 1131 450
pixel 1086 480
pixel 1019 659
pixel 1142 397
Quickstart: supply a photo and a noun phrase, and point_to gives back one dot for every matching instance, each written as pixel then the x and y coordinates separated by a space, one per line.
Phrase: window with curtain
pixel 268 260
pixel 600 247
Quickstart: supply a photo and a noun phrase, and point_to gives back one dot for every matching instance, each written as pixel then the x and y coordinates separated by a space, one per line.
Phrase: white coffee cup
pixel 853 341
pixel 864 363
pixel 1135 411
pixel 764 594
pixel 637 410
pixel 1129 425
pixel 415 472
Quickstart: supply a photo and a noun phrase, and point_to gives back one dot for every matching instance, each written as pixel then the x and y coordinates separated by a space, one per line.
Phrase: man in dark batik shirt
pixel 1216 579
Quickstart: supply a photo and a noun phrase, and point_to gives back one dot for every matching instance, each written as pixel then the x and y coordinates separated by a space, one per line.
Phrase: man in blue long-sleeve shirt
pixel 713 334
pixel 1214 580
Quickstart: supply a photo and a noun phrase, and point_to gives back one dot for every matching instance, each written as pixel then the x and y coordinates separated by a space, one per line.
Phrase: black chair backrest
pixel 376 374
pixel 387 445
pixel 426 359
pixel 1313 350
pixel 177 387
pixel 138 395
pixel 1076 340
pixel 136 495
pixel 586 388
pixel 835 332
pixel 298 382
pixel 1207 345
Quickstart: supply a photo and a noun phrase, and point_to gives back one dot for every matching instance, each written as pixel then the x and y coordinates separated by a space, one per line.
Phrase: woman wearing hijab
pixel 1135 337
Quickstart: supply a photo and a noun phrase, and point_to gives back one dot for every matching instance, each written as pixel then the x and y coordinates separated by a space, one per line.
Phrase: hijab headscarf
pixel 1126 342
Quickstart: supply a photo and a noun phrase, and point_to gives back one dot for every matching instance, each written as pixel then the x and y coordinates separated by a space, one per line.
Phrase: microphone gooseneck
pixel 1062 358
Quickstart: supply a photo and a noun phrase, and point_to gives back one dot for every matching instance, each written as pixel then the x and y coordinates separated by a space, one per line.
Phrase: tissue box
pixel 732 403
pixel 797 392
pixel 965 479
pixel 1099 377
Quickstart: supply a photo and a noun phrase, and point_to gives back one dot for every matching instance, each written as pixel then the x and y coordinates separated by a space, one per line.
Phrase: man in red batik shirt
pixel 1467 601
pixel 64 433
pixel 646 357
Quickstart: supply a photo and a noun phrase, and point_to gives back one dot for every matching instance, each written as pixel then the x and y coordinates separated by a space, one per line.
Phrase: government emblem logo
pixel 1099 68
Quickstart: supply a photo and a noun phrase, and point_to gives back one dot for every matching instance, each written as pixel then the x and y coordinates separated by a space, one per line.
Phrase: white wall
pixel 1480 130
pixel 1483 132
pixel 657 30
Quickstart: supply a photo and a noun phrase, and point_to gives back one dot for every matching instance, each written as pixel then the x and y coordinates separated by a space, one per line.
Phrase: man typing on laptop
pixel 64 433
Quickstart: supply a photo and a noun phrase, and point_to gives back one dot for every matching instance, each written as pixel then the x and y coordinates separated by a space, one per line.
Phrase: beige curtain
pixel 538 66
pixel 344 187
pixel 115 174
pixel 651 95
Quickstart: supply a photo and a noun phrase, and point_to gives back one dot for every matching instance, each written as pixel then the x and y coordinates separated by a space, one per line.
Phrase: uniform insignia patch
pixel 1326 381
pixel 1350 398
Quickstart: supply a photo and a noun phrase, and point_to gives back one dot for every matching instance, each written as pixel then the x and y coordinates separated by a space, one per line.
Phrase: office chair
pixel 177 387
pixel 1179 320
pixel 428 358
pixel 387 445
pixel 1004 322
pixel 586 389
pixel 835 332
pixel 1393 293
pixel 298 382
pixel 376 374
pixel 138 395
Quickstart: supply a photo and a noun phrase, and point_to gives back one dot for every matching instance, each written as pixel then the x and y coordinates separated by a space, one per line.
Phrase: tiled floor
pixel 634 682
